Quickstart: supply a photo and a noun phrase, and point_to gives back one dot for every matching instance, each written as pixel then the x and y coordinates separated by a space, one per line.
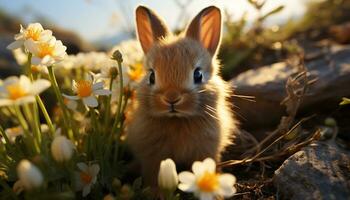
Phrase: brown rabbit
pixel 182 110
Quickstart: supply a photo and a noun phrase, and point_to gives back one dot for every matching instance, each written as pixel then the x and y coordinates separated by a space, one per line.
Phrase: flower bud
pixel 117 56
pixel 61 149
pixel 29 175
pixel 167 177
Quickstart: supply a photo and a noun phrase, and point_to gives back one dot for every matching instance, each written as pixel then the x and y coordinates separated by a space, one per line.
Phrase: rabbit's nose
pixel 172 97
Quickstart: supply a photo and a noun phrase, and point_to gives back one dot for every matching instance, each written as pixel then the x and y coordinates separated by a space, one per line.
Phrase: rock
pixel 319 171
pixel 267 85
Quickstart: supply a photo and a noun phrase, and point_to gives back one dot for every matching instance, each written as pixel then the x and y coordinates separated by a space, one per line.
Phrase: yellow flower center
pixel 16 91
pixel 32 33
pixel 136 72
pixel 45 49
pixel 84 88
pixel 209 182
pixel 85 177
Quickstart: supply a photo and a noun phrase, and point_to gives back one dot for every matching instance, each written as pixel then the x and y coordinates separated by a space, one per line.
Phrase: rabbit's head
pixel 181 78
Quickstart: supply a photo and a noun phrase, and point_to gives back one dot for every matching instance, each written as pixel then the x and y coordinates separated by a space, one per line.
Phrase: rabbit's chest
pixel 185 142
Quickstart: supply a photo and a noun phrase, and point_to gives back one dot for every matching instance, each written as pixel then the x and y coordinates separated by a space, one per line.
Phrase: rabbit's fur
pixel 203 124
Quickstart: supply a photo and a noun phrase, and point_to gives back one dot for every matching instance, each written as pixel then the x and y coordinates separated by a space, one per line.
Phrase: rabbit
pixel 182 110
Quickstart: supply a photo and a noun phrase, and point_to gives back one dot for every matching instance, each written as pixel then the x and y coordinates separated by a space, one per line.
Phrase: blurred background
pixel 256 32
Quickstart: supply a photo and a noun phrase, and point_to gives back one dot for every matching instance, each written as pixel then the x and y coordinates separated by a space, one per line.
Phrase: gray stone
pixel 267 85
pixel 319 171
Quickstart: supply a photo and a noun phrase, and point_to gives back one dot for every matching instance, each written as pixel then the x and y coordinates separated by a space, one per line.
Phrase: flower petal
pixel 25 100
pixel 5 102
pixel 86 190
pixel 227 182
pixel 209 164
pixel 90 101
pixel 206 196
pixel 97 86
pixel 198 168
pixel 187 187
pixel 71 97
pixel 40 85
pixel 82 166
pixel 31 46
pixel 187 177
pixel 15 45
pixel 102 92
pixel 94 169
pixel 36 60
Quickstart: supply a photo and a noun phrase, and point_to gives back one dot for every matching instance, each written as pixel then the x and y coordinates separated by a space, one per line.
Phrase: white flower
pixel 167 176
pixel 73 105
pixel 29 175
pixel 20 90
pixel 86 177
pixel 20 56
pixel 13 133
pixel 87 91
pixel 61 148
pixel 34 32
pixel 205 183
pixel 46 53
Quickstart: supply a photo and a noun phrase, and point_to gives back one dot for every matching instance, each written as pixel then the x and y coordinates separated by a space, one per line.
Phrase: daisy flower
pixel 33 32
pixel 205 182
pixel 87 91
pixel 46 52
pixel 20 90
pixel 87 177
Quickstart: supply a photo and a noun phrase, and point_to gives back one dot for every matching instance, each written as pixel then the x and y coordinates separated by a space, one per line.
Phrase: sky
pixel 97 19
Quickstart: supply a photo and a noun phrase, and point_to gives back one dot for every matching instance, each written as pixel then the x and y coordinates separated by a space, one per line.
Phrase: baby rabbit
pixel 182 110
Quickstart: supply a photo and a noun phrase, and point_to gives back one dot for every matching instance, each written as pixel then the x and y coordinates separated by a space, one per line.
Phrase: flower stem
pixel 46 114
pixel 121 92
pixel 66 118
pixel 108 104
pixel 24 125
pixel 118 113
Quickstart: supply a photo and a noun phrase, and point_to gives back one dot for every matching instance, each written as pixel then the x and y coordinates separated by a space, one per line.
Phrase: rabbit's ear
pixel 150 27
pixel 206 28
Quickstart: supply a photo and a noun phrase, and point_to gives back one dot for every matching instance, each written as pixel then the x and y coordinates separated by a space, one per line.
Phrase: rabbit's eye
pixel 197 76
pixel 152 78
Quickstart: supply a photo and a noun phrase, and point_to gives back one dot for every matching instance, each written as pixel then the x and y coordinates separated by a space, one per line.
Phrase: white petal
pixel 97 86
pixel 206 196
pixel 209 164
pixel 10 80
pixel 227 179
pixel 15 45
pixel 102 92
pixel 198 168
pixel 90 101
pixel 187 187
pixel 94 169
pixel 40 85
pixel 45 35
pixel 31 46
pixel 82 166
pixel 36 60
pixel 71 97
pixel 6 102
pixel 24 100
pixel 226 182
pixel 187 177
pixel 86 190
